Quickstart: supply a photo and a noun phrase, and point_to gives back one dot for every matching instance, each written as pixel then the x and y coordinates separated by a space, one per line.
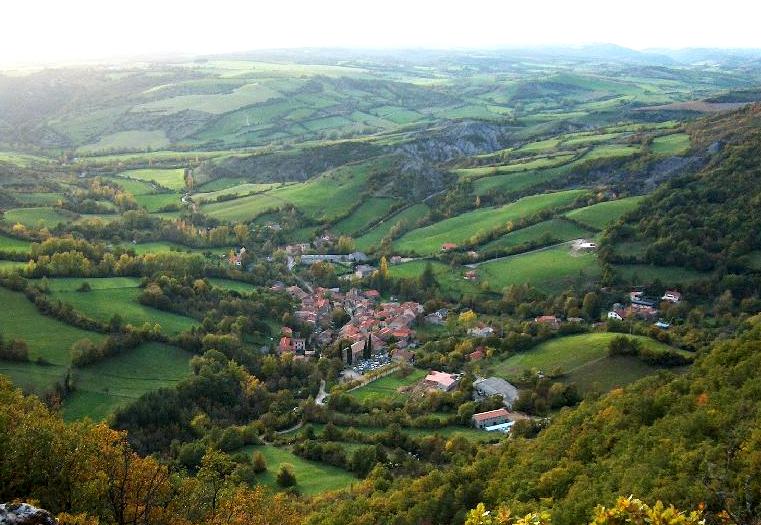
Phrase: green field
pixel 112 382
pixel 570 353
pixel 550 270
pixel 464 228
pixel 452 283
pixel 39 198
pixel 311 477
pixel 237 286
pixel 6 266
pixel 239 190
pixel 11 244
pixel 23 160
pixel 167 178
pixel 373 237
pixel 322 198
pixel 47 337
pixel 133 186
pixel 127 140
pixel 33 217
pixel 555 230
pixel 115 296
pixel 674 144
pixel 598 216
pixel 366 214
pixel 387 387
pixel 165 247
pixel 532 164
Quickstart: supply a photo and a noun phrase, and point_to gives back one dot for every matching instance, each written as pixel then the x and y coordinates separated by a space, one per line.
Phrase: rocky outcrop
pixel 24 514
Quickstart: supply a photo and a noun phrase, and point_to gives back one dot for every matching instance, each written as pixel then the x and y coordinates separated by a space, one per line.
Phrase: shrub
pixel 285 476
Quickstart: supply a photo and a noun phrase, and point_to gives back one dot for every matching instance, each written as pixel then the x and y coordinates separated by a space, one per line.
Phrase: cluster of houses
pixel 643 307
pixel 379 323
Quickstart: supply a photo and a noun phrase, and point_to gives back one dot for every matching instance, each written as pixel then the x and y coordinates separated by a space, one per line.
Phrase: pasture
pixel 126 140
pixel 570 353
pixel 407 217
pixel 33 217
pixel 467 227
pixel 117 380
pixel 312 477
pixel 551 231
pixel 550 270
pixel 366 214
pixel 172 179
pixel 598 216
pixel 115 296
pixel 452 284
pixel 674 144
pixel 11 244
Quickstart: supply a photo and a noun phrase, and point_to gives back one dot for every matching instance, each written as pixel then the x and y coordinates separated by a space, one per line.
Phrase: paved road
pixel 322 394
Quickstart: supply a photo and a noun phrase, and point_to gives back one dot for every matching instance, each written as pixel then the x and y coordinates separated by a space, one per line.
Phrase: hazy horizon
pixel 46 32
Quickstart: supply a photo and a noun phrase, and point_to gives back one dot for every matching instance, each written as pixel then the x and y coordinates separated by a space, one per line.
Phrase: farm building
pixel 481 331
pixel 672 296
pixel 491 418
pixel 549 320
pixel 495 386
pixel 448 246
pixel 442 380
pixel 471 275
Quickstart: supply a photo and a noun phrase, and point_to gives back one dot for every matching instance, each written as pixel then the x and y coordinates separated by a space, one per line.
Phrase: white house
pixel 672 296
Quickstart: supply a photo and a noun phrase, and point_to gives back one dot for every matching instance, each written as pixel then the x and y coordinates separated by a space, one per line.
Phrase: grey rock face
pixel 24 514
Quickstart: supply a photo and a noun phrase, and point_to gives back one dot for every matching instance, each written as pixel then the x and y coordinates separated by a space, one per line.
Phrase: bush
pixel 285 476
pixel 260 464
pixel 84 287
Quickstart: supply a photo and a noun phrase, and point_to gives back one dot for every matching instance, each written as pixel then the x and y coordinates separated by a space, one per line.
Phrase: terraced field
pixel 237 190
pixel 11 244
pixel 466 227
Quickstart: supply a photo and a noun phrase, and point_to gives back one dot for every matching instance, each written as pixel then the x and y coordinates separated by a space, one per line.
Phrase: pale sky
pixel 71 30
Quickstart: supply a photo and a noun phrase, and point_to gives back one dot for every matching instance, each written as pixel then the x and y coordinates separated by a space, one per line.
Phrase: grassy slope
pixel 599 215
pixel 311 477
pixel 550 270
pixel 555 229
pixel 168 178
pixel 117 380
pixel 459 229
pixel 366 214
pixel 49 217
pixel 112 296
pixel 375 235
pixel 14 245
pixel 569 353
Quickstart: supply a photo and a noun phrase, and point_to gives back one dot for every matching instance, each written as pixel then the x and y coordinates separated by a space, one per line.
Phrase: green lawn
pixel 597 216
pixel 166 246
pixel 550 270
pixel 32 217
pixel 117 380
pixel 312 477
pixel 556 230
pixel 116 295
pixel 11 244
pixel 366 214
pixel 387 387
pixel 229 284
pixel 463 228
pixel 606 374
pixel 674 144
pixel 373 237
pixel 168 178
pixel 568 353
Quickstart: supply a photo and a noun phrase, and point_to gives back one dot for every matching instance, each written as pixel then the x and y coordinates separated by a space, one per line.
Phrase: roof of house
pixel 448 246
pixel 491 414
pixel 442 378
pixel 496 386
pixel 546 319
